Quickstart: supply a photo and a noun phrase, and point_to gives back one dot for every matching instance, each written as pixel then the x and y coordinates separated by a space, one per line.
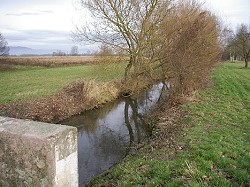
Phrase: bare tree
pixel 226 39
pixel 105 50
pixel 74 51
pixel 242 43
pixel 59 53
pixel 4 49
pixel 127 26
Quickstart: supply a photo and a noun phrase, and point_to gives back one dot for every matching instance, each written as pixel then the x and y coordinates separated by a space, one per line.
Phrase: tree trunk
pixel 246 63
pixel 127 70
pixel 129 66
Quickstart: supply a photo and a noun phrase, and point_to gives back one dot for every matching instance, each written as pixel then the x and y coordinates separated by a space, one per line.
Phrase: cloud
pixel 38 35
pixel 35 13
pixel 24 3
pixel 39 38
pixel 46 11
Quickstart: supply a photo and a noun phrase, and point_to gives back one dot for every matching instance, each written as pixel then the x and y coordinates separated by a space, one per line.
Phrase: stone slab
pixel 37 154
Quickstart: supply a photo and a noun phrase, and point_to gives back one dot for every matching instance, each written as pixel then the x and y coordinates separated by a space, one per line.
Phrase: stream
pixel 106 135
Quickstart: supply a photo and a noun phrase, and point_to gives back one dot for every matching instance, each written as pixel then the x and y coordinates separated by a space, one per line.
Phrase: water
pixel 106 135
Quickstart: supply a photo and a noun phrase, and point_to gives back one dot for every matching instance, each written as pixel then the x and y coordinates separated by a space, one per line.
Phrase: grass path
pixel 24 83
pixel 215 150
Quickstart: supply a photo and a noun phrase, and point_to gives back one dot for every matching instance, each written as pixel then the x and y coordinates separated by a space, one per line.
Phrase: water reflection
pixel 105 135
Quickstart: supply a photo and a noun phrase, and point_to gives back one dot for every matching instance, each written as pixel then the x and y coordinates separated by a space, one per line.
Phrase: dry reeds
pixel 51 61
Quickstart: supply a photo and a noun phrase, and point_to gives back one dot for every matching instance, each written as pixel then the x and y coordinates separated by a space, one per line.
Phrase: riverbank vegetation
pixel 204 142
pixel 71 100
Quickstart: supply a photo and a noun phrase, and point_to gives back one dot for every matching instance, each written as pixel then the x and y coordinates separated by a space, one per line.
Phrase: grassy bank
pixel 208 147
pixel 25 83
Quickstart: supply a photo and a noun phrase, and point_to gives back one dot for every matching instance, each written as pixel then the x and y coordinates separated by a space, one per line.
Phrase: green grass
pixel 25 83
pixel 217 141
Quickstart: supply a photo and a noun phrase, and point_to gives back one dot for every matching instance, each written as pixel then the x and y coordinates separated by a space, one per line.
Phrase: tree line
pixel 237 44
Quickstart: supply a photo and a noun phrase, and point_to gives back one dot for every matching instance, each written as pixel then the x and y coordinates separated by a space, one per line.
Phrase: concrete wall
pixel 37 154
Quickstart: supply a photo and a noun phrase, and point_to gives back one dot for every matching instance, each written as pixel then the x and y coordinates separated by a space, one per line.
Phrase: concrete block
pixel 37 154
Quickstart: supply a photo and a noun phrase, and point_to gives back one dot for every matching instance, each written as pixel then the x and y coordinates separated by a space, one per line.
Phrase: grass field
pixel 215 150
pixel 27 82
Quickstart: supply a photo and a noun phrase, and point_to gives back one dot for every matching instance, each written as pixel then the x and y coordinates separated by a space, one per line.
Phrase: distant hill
pixel 19 50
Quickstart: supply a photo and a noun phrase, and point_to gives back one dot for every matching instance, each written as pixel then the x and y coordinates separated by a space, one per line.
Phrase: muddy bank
pixel 71 100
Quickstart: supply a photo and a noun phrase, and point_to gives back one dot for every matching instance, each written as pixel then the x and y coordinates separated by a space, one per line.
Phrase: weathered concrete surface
pixel 37 154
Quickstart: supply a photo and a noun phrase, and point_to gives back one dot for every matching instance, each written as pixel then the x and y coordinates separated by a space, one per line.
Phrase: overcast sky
pixel 47 24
